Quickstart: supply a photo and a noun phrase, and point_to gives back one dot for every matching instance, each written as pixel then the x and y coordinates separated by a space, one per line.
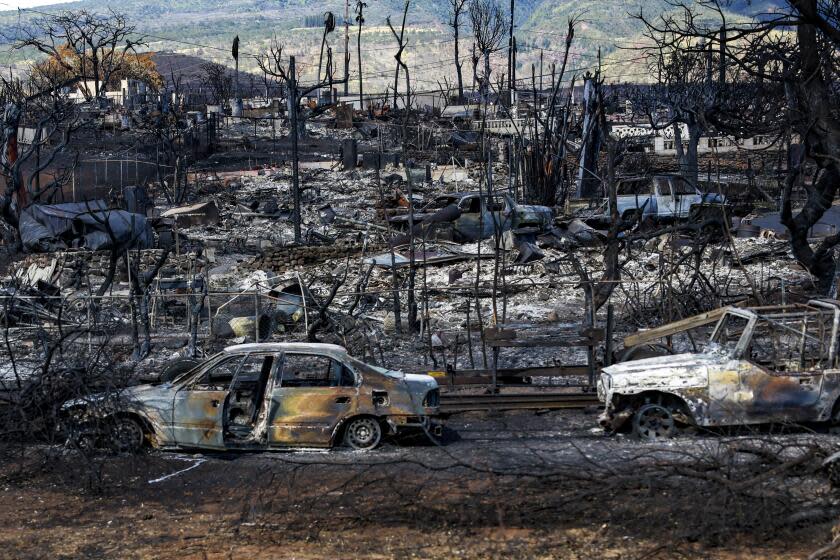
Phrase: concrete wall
pixel 282 259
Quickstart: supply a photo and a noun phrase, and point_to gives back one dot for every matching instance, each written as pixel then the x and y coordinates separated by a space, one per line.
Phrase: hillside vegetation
pixel 205 28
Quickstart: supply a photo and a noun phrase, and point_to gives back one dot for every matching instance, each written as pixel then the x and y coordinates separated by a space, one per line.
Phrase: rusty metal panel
pixel 310 415
pixel 197 418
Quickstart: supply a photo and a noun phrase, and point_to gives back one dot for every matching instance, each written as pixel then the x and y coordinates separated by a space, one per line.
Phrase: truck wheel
pixel 653 422
pixel 834 421
pixel 362 433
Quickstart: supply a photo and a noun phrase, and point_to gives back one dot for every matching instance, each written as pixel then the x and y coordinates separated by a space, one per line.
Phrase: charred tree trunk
pixel 820 130
pixel 458 69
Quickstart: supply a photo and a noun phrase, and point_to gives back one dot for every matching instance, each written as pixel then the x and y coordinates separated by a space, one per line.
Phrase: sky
pixel 15 4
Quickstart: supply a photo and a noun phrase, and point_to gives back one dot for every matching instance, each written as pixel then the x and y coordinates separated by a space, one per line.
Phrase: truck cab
pixel 661 198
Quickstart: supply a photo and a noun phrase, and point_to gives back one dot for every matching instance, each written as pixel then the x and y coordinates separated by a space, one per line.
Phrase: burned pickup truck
pixel 471 216
pixel 261 397
pixel 662 198
pixel 762 365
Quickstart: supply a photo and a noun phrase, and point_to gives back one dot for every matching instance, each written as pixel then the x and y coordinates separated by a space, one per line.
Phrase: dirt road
pixel 511 486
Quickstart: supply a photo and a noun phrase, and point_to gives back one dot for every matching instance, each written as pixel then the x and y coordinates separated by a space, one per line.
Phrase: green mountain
pixel 205 28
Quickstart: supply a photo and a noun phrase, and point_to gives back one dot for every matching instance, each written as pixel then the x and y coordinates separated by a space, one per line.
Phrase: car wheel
pixel 126 435
pixel 834 425
pixel 653 422
pixel 84 442
pixel 363 433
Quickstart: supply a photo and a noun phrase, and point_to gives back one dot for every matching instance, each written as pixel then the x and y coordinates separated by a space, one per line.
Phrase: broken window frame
pixel 332 383
pixel 185 378
pixel 438 203
pixel 636 186
pixel 743 342
pixel 681 187
pixel 194 383
pixel 777 318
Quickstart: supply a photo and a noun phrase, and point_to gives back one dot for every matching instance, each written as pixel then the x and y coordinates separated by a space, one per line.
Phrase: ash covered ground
pixel 499 484
pixel 514 485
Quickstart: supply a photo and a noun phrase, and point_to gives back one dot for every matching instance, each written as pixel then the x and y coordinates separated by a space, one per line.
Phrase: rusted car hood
pixel 419 384
pixel 532 215
pixel 139 394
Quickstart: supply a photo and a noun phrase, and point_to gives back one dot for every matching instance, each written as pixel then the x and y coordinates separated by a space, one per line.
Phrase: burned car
pixel 471 216
pixel 761 365
pixel 262 397
pixel 662 199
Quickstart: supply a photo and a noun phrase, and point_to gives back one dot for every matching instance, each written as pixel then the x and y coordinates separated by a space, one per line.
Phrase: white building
pixel 130 92
pixel 662 142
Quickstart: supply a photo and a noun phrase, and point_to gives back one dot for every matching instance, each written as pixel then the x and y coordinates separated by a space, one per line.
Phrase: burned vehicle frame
pixel 764 365
pixel 262 397
pixel 471 216
pixel 660 199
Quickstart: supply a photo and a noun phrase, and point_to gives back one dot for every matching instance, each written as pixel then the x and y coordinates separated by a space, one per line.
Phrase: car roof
pixel 331 350
pixel 823 305
pixel 463 194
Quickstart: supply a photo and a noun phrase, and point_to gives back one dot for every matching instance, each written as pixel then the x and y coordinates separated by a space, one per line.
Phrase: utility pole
pixel 510 49
pixel 346 47
pixel 513 66
pixel 360 6
pixel 293 94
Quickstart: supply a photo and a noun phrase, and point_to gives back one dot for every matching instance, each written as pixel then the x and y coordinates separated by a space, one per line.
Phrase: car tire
pixel 126 435
pixel 654 422
pixel 363 433
pixel 447 436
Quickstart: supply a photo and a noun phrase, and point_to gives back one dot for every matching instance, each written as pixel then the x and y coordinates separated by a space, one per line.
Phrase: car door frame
pixel 208 408
pixel 803 389
pixel 270 404
pixel 286 428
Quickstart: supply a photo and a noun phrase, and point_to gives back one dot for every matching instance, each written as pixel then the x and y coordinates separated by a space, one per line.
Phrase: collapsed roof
pixel 91 225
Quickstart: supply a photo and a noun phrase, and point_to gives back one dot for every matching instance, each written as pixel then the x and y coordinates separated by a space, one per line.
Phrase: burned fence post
pixel 469 334
pixel 256 313
pixel 412 263
pixel 349 154
pixel 589 322
pixel 608 344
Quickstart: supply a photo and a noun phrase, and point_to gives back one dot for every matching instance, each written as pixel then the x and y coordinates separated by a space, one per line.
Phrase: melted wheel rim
pixel 654 422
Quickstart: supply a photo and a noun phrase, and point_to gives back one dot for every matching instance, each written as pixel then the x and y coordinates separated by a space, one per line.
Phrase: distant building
pixel 662 141
pixel 129 94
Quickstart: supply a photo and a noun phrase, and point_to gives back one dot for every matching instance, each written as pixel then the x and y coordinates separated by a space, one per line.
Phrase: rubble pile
pixel 72 269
